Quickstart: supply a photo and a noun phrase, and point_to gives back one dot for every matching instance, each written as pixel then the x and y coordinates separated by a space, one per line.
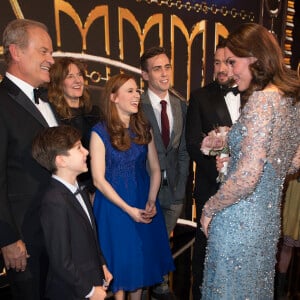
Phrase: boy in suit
pixel 77 267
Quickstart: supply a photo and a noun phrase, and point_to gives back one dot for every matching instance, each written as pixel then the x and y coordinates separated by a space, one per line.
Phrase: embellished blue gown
pixel 138 255
pixel 245 227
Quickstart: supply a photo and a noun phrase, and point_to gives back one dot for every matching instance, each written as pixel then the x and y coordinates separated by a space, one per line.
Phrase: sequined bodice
pixel 266 134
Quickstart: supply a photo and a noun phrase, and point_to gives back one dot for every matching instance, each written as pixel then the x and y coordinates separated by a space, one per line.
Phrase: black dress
pixel 84 122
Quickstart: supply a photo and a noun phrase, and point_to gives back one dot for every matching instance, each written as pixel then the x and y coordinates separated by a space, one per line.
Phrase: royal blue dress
pixel 244 231
pixel 138 255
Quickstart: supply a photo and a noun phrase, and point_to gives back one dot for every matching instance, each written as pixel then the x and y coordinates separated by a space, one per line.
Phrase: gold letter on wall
pixel 97 12
pixel 198 28
pixel 125 14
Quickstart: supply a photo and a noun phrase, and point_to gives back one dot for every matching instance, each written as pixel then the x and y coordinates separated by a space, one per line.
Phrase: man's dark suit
pixel 71 241
pixel 207 110
pixel 22 179
pixel 175 159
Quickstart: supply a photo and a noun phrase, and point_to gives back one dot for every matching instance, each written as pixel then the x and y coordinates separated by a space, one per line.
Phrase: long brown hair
pixel 254 40
pixel 119 135
pixel 58 73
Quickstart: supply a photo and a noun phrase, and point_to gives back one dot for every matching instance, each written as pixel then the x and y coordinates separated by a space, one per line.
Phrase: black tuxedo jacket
pixel 22 179
pixel 207 110
pixel 75 258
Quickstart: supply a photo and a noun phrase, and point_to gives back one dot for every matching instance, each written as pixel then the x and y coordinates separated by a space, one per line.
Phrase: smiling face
pixel 158 74
pixel 33 62
pixel 75 160
pixel 238 69
pixel 73 85
pixel 127 99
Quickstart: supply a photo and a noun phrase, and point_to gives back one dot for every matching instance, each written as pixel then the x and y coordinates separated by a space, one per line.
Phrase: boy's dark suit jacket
pixel 71 240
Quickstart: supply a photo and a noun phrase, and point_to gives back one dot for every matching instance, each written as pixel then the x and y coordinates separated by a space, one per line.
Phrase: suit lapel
pixel 71 198
pixel 74 201
pixel 177 124
pixel 76 209
pixel 222 110
pixel 88 205
pixel 149 112
pixel 18 96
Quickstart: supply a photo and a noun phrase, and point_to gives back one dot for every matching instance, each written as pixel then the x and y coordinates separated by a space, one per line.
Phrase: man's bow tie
pixel 38 93
pixel 233 89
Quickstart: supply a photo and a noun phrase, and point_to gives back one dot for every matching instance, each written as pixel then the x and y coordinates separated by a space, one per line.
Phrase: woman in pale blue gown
pixel 242 220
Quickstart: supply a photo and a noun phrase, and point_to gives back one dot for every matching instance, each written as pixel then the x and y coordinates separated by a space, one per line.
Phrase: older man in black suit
pixel 28 54
pixel 214 105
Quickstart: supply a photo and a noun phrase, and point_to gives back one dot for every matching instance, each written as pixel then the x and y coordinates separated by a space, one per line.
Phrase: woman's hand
pixel 220 162
pixel 151 208
pixel 107 275
pixel 140 215
pixel 205 221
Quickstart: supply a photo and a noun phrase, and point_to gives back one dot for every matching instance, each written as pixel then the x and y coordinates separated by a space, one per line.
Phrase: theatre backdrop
pixel 111 35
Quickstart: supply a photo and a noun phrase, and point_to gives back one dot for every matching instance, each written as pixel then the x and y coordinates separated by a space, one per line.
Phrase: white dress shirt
pixel 155 102
pixel 233 104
